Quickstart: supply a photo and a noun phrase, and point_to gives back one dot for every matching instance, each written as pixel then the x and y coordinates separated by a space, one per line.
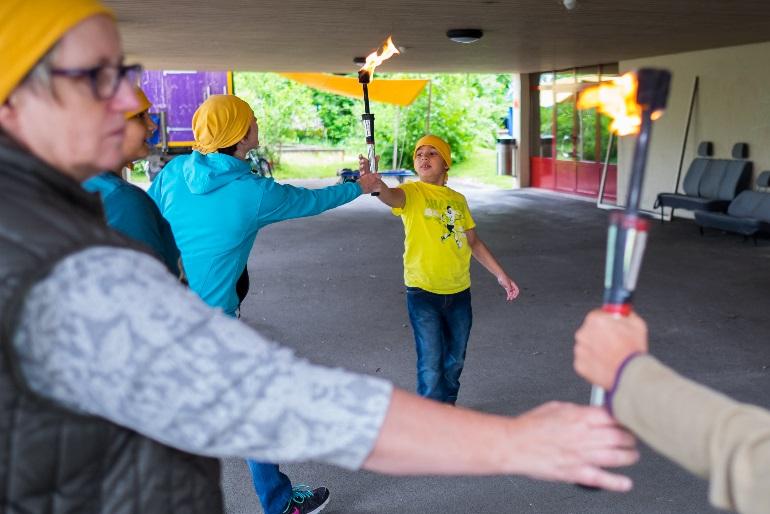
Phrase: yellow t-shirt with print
pixel 437 256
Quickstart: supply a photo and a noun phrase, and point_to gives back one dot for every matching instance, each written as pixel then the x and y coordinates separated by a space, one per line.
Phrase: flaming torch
pixel 633 101
pixel 365 75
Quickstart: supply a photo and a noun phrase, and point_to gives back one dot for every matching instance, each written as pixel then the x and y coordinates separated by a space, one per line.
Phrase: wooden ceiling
pixel 519 35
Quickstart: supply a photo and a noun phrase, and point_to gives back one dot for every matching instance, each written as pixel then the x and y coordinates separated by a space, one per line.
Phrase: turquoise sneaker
pixel 307 501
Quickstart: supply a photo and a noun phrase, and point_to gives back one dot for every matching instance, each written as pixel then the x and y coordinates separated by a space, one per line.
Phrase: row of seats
pixel 718 191
pixel 710 184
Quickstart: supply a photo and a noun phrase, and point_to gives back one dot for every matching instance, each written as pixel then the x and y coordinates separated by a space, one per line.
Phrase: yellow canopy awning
pixel 395 91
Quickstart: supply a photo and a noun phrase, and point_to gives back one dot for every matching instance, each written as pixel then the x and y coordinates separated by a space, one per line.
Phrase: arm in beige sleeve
pixel 702 430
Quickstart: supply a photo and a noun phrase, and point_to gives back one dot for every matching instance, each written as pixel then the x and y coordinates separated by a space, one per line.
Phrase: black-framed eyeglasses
pixel 105 79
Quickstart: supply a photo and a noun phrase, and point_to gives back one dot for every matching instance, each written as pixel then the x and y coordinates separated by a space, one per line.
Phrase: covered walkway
pixel 332 288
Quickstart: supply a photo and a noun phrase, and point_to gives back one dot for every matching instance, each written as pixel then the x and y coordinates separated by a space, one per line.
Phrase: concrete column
pixel 521 120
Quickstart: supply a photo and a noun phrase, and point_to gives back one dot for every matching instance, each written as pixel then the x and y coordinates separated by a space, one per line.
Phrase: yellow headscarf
pixel 144 103
pixel 441 146
pixel 29 28
pixel 220 121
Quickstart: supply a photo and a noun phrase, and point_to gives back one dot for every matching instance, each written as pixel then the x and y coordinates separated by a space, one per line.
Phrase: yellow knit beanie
pixel 441 146
pixel 30 28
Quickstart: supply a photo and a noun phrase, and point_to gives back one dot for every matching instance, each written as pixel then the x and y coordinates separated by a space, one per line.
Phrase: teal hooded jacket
pixel 129 210
pixel 216 206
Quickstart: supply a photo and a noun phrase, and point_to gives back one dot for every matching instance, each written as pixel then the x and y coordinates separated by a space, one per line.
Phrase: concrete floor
pixel 331 287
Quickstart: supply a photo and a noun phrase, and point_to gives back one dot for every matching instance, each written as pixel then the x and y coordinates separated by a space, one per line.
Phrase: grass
pixel 313 165
pixel 480 167
pixel 138 176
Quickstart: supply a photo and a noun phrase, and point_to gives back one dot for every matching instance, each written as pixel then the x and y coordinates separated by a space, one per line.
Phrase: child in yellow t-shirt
pixel 440 238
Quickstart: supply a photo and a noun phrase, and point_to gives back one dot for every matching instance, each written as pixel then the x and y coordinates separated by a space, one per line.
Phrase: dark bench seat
pixel 748 214
pixel 691 203
pixel 710 184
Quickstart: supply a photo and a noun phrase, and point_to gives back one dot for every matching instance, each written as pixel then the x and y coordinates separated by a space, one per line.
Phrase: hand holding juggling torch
pixel 365 76
pixel 633 101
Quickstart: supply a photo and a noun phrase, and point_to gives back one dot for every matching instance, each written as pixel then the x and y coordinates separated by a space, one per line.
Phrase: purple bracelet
pixel 618 373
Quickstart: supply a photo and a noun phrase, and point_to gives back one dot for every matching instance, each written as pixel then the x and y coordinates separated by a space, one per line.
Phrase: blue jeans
pixel 272 486
pixel 441 324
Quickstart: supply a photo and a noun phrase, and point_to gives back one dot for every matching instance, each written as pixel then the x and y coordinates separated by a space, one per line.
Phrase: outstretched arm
pixel 556 441
pixel 482 254
pixel 203 382
pixel 283 201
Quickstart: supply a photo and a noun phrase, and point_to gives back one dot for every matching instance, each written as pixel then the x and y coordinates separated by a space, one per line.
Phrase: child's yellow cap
pixel 441 146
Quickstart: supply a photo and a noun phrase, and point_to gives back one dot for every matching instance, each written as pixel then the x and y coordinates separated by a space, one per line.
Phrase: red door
pixel 579 178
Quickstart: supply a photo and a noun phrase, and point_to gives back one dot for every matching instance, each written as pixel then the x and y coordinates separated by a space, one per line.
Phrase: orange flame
pixel 376 58
pixel 617 100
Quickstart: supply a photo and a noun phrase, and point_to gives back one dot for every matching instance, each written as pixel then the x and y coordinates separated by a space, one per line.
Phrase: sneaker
pixel 307 501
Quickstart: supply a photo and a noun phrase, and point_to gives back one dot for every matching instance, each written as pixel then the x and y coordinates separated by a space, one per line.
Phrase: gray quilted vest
pixel 53 460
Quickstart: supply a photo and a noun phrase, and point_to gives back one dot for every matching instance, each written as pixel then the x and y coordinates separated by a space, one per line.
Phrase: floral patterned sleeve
pixel 111 333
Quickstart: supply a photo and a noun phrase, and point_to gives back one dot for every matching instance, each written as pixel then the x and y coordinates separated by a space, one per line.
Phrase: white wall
pixel 732 105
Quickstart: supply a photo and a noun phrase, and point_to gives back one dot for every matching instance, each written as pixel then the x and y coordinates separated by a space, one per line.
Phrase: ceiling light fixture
pixel 464 35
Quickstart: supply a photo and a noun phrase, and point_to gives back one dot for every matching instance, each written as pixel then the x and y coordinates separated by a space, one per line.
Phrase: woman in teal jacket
pixel 127 208
pixel 216 206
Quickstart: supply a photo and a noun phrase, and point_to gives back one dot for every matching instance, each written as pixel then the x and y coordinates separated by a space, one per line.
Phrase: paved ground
pixel 331 287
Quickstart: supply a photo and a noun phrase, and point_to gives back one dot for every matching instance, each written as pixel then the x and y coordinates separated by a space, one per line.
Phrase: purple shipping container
pixel 179 94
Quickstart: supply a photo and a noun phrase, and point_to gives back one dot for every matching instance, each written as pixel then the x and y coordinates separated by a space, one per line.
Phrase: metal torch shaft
pixel 370 145
pixel 627 234
pixel 368 120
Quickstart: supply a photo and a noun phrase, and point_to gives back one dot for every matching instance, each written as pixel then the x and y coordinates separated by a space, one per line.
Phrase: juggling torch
pixel 365 76
pixel 633 101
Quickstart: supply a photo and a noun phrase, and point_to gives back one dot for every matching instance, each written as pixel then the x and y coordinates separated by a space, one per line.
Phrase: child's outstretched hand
pixel 370 182
pixel 511 289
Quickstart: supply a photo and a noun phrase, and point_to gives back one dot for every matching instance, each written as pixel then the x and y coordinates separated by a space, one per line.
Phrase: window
pixel 545 104
pixel 564 132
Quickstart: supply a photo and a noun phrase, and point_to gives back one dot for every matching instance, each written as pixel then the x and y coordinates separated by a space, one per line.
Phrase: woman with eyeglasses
pixel 127 208
pixel 120 388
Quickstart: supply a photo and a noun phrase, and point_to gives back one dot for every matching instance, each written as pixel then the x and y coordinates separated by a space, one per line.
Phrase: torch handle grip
pixel 371 154
pixel 620 311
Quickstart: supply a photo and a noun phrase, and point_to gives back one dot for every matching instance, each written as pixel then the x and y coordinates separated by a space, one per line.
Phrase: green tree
pixel 465 109
pixel 337 114
pixel 565 121
pixel 284 109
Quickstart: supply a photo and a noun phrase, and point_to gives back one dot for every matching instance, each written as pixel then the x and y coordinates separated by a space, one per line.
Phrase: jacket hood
pixel 206 173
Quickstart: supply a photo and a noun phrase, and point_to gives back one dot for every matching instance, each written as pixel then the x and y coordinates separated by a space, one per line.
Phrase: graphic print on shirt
pixel 449 217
